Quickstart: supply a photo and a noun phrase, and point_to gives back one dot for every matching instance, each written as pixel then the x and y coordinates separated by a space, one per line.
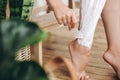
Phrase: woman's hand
pixel 63 14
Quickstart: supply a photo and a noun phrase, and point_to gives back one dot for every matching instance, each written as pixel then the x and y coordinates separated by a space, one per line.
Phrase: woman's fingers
pixel 63 14
pixel 69 21
pixel 59 21
pixel 66 17
pixel 73 20
pixel 69 26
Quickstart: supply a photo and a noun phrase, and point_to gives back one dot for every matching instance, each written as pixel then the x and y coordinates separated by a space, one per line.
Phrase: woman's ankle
pixel 80 48
pixel 110 55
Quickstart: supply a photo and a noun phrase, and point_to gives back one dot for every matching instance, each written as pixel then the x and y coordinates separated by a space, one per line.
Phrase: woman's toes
pixel 86 77
pixel 82 78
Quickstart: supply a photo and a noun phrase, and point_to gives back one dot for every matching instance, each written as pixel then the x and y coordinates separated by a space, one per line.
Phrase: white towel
pixel 90 13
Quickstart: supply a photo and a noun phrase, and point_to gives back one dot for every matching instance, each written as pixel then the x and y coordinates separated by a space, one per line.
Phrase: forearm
pixel 54 3
pixel 63 14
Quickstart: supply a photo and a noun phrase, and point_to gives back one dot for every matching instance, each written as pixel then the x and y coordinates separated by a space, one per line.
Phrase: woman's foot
pixel 113 58
pixel 79 55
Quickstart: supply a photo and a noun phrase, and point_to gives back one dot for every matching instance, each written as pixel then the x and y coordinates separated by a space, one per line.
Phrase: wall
pixel 43 2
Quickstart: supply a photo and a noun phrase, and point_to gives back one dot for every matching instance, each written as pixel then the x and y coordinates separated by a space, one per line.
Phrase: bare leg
pixel 79 56
pixel 111 20
pixel 80 48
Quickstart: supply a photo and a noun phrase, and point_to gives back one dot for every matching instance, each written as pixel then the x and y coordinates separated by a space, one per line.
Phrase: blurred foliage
pixel 20 9
pixel 2 9
pixel 15 34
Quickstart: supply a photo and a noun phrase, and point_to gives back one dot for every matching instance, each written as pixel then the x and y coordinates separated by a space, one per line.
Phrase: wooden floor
pixel 57 44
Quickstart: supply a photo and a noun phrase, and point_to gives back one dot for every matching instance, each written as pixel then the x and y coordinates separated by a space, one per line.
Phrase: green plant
pixel 15 34
pixel 20 9
pixel 2 9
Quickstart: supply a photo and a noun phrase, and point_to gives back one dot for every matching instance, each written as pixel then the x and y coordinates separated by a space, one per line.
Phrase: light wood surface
pixel 72 4
pixel 36 53
pixel 57 44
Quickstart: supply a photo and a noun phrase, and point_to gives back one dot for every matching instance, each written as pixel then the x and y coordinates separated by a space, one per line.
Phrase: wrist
pixel 54 3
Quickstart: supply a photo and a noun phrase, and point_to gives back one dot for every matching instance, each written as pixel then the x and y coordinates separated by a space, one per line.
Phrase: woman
pixel 90 12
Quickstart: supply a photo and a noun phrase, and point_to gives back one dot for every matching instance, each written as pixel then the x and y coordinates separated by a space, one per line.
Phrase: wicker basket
pixel 23 54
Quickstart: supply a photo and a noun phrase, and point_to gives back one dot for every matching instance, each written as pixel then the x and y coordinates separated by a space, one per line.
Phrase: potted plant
pixel 15 34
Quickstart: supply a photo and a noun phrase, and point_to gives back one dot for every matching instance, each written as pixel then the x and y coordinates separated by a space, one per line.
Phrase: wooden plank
pixel 97 69
pixel 72 4
pixel 36 53
pixel 40 57
pixel 7 10
pixel 37 10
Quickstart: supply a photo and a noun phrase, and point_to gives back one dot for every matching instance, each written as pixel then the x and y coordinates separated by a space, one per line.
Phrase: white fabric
pixel 90 13
pixel 38 3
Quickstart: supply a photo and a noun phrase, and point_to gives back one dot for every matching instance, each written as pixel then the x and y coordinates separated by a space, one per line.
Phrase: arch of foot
pixel 90 13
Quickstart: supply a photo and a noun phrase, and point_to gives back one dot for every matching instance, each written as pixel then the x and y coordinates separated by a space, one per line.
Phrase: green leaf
pixel 16 34
pixel 2 9
pixel 22 71
pixel 15 9
pixel 20 9
pixel 27 9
